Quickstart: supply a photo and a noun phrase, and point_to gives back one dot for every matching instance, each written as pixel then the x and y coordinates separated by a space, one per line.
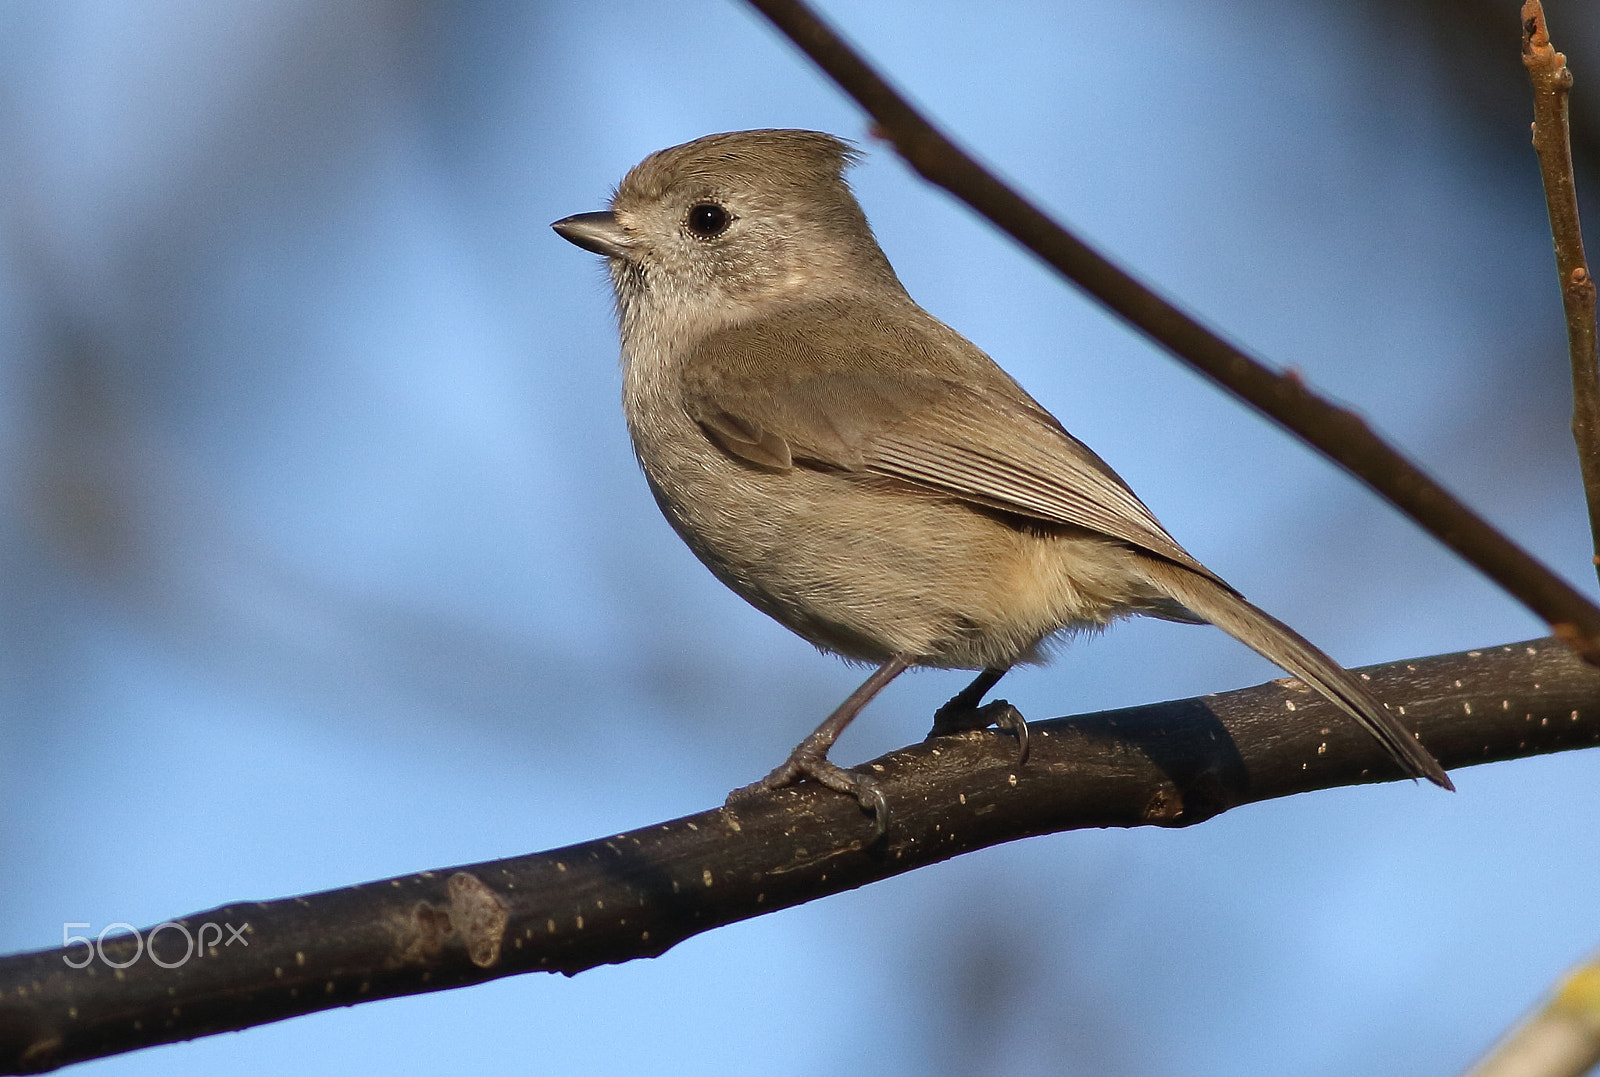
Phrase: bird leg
pixel 810 757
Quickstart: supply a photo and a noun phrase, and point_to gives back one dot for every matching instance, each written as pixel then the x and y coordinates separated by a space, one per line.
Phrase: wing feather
pixel 911 400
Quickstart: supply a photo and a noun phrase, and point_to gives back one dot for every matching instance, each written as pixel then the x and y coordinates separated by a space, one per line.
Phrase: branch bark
pixel 1338 433
pixel 640 893
pixel 1552 83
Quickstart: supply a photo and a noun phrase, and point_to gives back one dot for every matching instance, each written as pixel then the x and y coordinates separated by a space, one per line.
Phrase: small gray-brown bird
pixel 861 472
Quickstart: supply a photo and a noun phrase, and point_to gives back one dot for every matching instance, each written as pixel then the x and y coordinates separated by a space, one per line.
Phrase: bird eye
pixel 708 220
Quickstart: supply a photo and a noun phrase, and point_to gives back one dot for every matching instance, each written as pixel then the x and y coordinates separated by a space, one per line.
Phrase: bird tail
pixel 1283 646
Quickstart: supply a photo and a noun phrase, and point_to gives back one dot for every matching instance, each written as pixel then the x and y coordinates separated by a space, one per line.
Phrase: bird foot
pixel 816 766
pixel 958 716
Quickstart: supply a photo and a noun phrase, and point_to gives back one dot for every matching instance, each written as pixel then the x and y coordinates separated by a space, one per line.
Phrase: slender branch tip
pixel 1535 35
pixel 1538 54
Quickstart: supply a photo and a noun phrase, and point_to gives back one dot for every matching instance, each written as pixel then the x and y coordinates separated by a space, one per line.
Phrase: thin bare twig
pixel 1552 81
pixel 638 894
pixel 1337 433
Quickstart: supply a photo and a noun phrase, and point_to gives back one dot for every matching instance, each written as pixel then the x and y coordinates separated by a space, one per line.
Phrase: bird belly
pixel 867 569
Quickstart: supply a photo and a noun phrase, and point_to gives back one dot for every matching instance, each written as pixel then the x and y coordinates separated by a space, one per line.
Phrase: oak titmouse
pixel 861 472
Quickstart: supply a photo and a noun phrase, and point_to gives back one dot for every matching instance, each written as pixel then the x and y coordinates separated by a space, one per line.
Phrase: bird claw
pixel 957 716
pixel 818 768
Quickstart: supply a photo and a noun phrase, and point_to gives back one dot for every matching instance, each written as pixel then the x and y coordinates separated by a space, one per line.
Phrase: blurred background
pixel 323 556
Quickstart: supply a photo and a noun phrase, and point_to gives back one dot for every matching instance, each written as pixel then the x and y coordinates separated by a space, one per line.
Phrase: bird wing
pixel 892 400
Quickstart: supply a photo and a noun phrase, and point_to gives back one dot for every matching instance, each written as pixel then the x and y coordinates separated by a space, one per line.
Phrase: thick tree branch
pixel 1338 433
pixel 640 893
pixel 1552 81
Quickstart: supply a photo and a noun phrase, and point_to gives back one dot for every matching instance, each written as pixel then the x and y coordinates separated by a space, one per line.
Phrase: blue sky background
pixel 324 558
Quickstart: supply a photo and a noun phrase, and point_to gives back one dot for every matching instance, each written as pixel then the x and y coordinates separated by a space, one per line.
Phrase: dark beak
pixel 597 232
